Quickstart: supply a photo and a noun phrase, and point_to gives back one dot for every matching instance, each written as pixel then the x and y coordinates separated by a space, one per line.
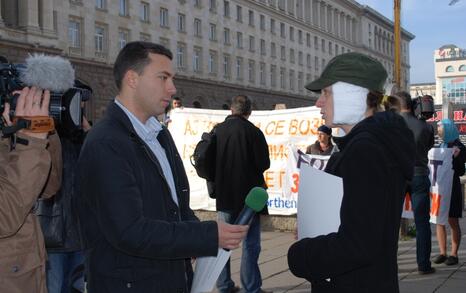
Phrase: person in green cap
pixel 376 159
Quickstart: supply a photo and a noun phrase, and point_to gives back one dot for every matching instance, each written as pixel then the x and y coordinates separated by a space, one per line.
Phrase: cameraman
pixel 28 163
pixel 420 185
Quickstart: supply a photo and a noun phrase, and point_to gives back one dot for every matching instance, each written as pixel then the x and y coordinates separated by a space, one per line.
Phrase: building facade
pixel 450 74
pixel 428 88
pixel 266 49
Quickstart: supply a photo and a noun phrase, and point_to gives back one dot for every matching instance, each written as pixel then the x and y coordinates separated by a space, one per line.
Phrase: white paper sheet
pixel 207 270
pixel 319 201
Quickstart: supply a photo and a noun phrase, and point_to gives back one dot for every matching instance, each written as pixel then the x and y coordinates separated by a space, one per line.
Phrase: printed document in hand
pixel 319 202
pixel 207 270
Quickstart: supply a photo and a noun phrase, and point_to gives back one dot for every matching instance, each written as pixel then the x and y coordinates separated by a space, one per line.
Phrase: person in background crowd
pixel 177 103
pixel 28 163
pixel 420 185
pixel 375 161
pixel 138 230
pixel 323 146
pixel 448 132
pixel 66 257
pixel 242 156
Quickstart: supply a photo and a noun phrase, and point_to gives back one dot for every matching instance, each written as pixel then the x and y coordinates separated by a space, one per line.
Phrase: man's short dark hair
pixel 405 100
pixel 135 56
pixel 241 105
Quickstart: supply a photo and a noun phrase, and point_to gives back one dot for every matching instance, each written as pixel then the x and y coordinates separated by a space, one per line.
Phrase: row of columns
pixel 32 14
pixel 329 18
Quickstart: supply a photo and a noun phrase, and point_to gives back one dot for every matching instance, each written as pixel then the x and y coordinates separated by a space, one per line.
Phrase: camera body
pixel 65 106
pixel 423 107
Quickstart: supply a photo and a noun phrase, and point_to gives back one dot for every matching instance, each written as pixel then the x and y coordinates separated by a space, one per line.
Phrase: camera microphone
pixel 52 73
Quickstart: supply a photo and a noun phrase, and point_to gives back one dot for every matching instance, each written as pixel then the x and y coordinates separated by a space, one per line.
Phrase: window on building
pixel 462 68
pixel 74 33
pixel 292 80
pixel 226 66
pixel 181 56
pixel 239 40
pixel 124 8
pixel 226 8
pixel 239 13
pixel 292 60
pixel 212 62
pixel 300 58
pixel 123 37
pixel 323 63
pixel 336 49
pixel 330 48
pixel 282 78
pixel 251 18
pixel 213 5
pixel 197 27
pixel 282 30
pixel 300 82
pixel 197 3
pixel 308 60
pixel 449 69
pixel 252 44
pixel 163 17
pixel 316 63
pixel 212 32
pixel 262 73
pixel 322 45
pixel 262 22
pixel 282 53
pixel 300 36
pixel 273 50
pixel 144 12
pixel 273 75
pixel 316 43
pixel 308 40
pixel 181 22
pixel 100 39
pixel 197 59
pixel 291 33
pixel 100 4
pixel 226 36
pixel 262 47
pixel 251 71
pixel 272 26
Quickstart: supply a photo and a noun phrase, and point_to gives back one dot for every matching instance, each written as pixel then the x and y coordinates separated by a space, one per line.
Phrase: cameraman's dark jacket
pixel 64 216
pixel 136 237
pixel 424 138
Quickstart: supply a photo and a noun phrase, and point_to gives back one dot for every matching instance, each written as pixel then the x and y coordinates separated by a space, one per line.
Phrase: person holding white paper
pixel 375 161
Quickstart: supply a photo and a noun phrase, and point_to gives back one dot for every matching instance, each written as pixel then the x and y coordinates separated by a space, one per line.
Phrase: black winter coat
pixel 376 159
pixel 136 238
pixel 242 157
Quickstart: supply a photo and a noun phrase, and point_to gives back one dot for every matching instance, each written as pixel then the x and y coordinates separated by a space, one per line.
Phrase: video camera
pixel 423 107
pixel 52 73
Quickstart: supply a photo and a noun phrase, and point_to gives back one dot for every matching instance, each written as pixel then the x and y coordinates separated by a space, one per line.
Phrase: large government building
pixel 266 49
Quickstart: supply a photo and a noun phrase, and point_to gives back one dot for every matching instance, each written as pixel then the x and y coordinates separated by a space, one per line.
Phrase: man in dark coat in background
pixel 242 157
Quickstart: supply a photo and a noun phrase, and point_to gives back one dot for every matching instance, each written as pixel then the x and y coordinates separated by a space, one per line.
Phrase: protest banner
pixel 281 128
pixel 441 178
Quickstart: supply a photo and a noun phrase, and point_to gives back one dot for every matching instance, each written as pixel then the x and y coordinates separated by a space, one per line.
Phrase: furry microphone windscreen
pixel 48 72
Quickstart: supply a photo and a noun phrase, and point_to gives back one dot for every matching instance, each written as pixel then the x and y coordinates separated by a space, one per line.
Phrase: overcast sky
pixel 434 23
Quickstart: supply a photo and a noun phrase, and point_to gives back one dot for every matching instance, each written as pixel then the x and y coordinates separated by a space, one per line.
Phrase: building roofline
pixel 370 11
pixel 423 83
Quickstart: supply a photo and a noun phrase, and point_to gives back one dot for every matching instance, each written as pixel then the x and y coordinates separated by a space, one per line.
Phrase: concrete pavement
pixel 277 277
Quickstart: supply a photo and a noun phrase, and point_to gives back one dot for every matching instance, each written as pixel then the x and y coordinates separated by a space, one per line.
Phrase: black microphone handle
pixel 245 216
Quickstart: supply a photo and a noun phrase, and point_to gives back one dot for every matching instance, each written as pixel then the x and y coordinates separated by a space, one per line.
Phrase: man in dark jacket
pixel 420 185
pixel 242 157
pixel 138 230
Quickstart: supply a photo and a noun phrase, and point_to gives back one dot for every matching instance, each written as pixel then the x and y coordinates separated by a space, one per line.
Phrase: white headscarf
pixel 349 103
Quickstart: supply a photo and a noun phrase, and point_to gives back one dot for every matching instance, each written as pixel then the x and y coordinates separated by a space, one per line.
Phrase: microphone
pixel 255 201
pixel 52 73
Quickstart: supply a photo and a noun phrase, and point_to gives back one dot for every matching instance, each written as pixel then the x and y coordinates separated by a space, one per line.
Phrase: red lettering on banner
pixel 408 206
pixel 295 187
pixel 435 204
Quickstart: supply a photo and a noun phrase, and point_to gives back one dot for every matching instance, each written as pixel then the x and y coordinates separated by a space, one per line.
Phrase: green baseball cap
pixel 354 68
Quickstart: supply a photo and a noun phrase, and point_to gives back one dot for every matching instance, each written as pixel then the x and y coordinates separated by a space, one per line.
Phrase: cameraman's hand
pixel 32 102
